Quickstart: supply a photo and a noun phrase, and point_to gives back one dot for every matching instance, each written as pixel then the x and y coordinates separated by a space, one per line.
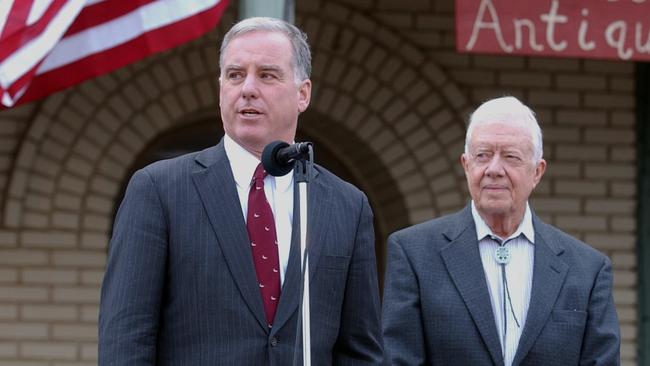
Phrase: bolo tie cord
pixel 506 295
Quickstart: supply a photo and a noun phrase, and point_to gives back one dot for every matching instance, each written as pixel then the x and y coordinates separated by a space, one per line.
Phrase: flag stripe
pixel 16 17
pixel 154 36
pixel 111 34
pixel 93 15
pixel 5 7
pixel 21 83
pixel 92 2
pixel 36 12
pixel 14 41
pixel 33 52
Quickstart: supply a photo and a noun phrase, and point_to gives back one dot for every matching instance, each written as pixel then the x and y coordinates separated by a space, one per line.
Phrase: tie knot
pixel 259 174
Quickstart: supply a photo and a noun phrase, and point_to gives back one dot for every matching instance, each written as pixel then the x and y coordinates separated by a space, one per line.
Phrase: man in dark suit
pixel 493 284
pixel 198 275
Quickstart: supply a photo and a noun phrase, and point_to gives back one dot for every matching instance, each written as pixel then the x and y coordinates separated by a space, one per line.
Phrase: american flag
pixel 49 45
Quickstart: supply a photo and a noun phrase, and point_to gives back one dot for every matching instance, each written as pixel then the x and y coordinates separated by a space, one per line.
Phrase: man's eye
pixel 234 75
pixel 267 76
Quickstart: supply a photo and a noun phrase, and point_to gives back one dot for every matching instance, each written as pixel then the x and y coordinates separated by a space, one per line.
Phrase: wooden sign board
pixel 602 29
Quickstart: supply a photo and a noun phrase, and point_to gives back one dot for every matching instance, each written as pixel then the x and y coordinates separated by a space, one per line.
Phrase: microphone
pixel 278 157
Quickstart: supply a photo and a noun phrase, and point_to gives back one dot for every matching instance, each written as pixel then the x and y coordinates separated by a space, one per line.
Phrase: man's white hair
pixel 507 110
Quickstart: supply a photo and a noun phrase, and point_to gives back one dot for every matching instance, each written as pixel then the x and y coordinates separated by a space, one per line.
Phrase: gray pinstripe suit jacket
pixel 437 308
pixel 180 285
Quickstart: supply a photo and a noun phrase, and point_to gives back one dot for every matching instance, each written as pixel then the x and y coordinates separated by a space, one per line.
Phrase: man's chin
pixel 494 208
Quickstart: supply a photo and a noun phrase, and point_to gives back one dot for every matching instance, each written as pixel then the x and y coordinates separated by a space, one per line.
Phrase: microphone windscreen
pixel 270 160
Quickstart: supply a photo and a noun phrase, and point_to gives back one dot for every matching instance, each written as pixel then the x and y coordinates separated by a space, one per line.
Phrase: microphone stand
pixel 279 158
pixel 303 174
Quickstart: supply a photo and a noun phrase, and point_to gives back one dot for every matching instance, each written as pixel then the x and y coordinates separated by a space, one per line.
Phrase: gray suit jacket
pixel 437 308
pixel 180 285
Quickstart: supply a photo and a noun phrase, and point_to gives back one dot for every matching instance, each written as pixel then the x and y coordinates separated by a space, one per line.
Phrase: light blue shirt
pixel 519 276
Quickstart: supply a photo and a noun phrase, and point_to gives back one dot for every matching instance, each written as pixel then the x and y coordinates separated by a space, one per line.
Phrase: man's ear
pixel 539 171
pixel 304 95
pixel 464 160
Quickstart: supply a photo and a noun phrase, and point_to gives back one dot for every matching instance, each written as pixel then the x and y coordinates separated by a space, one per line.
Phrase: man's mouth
pixel 249 112
pixel 494 187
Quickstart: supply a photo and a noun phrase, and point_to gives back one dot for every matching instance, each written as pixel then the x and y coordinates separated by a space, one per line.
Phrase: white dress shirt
pixel 519 276
pixel 278 191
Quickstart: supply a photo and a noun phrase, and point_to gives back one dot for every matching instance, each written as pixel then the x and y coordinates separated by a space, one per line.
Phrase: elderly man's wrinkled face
pixel 500 170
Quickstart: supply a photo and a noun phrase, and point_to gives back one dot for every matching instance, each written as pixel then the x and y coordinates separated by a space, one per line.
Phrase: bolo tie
pixel 503 256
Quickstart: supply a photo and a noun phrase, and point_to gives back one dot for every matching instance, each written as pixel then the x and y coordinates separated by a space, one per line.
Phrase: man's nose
pixel 495 167
pixel 249 87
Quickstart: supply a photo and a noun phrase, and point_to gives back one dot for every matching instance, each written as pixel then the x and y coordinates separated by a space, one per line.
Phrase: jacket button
pixel 274 342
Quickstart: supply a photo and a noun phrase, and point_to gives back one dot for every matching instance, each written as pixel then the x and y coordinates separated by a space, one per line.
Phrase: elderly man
pixel 204 263
pixel 493 284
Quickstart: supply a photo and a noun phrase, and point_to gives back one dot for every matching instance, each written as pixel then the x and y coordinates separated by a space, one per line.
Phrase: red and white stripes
pixel 49 45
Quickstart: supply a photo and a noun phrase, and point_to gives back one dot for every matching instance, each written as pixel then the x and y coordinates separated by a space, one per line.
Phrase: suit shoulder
pixel 578 248
pixel 341 185
pixel 165 166
pixel 169 173
pixel 181 167
pixel 428 231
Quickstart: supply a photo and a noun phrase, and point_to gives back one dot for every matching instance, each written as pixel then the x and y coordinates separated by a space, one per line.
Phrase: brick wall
pixel 385 72
pixel 586 109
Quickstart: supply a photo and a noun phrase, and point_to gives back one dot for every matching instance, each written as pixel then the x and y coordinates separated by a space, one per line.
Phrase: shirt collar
pixel 243 165
pixel 525 226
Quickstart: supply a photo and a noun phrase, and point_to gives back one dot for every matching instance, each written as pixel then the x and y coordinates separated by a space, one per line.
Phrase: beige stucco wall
pixel 385 72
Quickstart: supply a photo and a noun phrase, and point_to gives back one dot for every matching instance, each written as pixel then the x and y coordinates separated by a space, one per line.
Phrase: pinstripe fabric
pixel 437 304
pixel 519 274
pixel 180 286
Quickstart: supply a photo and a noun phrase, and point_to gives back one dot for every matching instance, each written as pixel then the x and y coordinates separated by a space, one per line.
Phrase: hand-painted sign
pixel 610 29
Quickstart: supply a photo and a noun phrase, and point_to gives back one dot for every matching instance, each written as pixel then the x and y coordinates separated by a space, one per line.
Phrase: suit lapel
pixel 319 209
pixel 290 295
pixel 217 190
pixel 549 274
pixel 463 262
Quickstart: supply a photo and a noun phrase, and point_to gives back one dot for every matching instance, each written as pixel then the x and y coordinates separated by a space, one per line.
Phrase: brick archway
pixel 370 84
pixel 366 79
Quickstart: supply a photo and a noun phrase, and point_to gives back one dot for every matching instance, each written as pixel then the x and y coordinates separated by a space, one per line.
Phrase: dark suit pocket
pixel 336 262
pixel 562 335
pixel 328 291
pixel 576 317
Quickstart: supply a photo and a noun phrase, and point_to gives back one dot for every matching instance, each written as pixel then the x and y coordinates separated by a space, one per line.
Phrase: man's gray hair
pixel 508 110
pixel 301 52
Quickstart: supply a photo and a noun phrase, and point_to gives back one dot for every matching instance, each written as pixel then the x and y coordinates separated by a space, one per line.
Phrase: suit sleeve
pixel 133 283
pixel 402 317
pixel 359 341
pixel 602 342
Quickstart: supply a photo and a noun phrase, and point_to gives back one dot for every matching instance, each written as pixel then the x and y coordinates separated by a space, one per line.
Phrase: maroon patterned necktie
pixel 264 244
